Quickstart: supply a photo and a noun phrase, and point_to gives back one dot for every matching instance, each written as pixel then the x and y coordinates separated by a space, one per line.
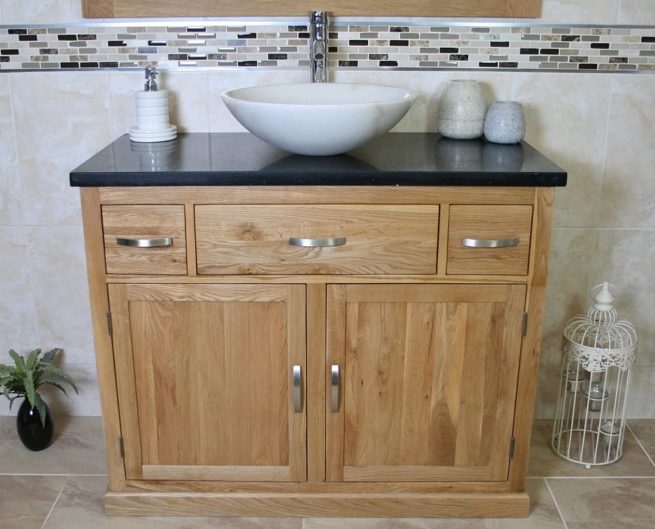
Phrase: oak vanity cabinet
pixel 317 351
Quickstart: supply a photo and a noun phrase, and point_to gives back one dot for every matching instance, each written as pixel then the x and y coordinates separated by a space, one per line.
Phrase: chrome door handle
pixel 162 242
pixel 297 389
pixel 490 243
pixel 317 243
pixel 334 383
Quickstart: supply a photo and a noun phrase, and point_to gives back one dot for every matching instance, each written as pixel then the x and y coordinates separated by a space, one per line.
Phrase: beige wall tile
pixel 629 186
pixel 18 327
pixel 41 11
pixel 122 105
pixel 189 99
pixel 640 399
pixel 567 295
pixel 580 11
pixel 26 500
pixel 637 12
pixel 10 207
pixel 625 259
pixel 60 291
pixel 566 117
pixel 64 119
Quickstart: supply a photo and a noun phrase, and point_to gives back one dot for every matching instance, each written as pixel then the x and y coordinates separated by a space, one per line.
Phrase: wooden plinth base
pixel 460 505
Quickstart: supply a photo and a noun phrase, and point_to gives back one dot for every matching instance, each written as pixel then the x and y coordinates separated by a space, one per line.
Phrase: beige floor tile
pixel 25 501
pixel 544 463
pixel 81 507
pixel 543 515
pixel 644 430
pixel 606 503
pixel 78 448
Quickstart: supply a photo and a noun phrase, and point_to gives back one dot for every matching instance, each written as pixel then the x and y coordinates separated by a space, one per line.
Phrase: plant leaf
pixel 60 376
pixel 32 359
pixel 55 384
pixel 51 355
pixel 60 379
pixel 30 390
pixel 18 360
pixel 40 406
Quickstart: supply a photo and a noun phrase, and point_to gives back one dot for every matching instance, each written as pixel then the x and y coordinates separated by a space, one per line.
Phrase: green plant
pixel 29 373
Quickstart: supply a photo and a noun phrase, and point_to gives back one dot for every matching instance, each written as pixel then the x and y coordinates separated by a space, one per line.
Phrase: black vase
pixel 34 435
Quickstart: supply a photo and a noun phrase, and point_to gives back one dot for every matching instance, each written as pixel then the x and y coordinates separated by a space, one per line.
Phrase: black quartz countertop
pixel 396 159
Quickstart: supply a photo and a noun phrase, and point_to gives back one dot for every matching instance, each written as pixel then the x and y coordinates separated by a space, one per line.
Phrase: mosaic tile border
pixel 353 46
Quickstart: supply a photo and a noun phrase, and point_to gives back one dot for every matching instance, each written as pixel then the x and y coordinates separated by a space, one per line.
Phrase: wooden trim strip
pixel 95 264
pixel 463 505
pixel 222 473
pixel 212 292
pixel 416 473
pixel 531 345
pixel 211 8
pixel 317 195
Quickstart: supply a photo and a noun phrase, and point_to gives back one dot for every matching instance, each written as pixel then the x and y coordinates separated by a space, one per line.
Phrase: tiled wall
pixel 599 127
pixel 363 46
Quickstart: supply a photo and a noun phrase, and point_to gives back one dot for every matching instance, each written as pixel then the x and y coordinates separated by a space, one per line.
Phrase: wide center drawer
pixel 316 239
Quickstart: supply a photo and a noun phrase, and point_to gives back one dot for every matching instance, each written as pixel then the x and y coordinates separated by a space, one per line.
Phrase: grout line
pixel 640 444
pixel 53 475
pixel 54 504
pixel 559 511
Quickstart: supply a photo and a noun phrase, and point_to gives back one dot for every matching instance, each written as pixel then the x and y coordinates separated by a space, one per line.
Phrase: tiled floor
pixel 62 487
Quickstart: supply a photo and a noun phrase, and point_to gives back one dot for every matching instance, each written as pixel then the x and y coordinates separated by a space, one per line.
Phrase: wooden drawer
pixel 470 226
pixel 379 239
pixel 144 223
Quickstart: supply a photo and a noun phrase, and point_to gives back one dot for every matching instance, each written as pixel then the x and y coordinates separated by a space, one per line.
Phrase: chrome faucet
pixel 319 22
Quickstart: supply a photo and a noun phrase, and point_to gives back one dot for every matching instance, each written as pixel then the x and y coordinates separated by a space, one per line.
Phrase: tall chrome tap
pixel 319 22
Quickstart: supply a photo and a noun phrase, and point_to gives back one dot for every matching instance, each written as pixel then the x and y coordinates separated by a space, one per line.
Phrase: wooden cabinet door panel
pixel 205 383
pixel 428 381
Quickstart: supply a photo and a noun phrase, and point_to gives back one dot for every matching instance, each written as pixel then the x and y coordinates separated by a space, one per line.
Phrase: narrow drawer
pixel 318 239
pixel 144 239
pixel 489 240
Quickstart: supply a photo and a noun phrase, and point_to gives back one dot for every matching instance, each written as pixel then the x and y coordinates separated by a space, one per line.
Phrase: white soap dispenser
pixel 152 112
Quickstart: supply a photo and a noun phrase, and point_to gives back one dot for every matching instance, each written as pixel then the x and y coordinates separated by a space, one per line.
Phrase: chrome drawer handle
pixel 297 389
pixel 490 243
pixel 164 242
pixel 334 383
pixel 317 243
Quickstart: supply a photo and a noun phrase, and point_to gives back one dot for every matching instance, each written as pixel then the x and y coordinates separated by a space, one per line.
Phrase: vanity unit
pixel 280 335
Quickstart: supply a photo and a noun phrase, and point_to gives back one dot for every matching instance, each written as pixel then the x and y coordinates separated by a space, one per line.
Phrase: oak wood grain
pixel 380 239
pixel 489 222
pixel 95 264
pixel 317 195
pixel 430 369
pixel 463 505
pixel 211 8
pixel 144 222
pixel 207 375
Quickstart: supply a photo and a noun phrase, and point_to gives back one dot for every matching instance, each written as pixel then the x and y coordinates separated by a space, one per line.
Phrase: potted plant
pixel 23 379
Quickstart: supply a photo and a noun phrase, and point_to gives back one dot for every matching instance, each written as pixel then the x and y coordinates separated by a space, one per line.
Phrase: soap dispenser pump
pixel 152 112
pixel 151 79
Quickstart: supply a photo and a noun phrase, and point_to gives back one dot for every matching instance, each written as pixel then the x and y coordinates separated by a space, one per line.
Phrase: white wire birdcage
pixel 598 355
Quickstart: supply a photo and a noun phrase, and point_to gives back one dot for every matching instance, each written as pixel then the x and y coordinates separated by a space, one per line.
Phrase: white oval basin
pixel 318 119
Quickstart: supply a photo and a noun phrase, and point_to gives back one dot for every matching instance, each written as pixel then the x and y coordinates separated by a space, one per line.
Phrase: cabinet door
pixel 427 381
pixel 206 381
